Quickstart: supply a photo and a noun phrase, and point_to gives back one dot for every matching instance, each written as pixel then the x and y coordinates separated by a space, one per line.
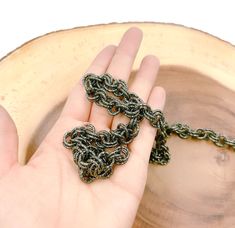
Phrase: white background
pixel 23 20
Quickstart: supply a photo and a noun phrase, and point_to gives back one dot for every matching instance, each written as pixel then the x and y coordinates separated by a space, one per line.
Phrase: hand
pixel 47 191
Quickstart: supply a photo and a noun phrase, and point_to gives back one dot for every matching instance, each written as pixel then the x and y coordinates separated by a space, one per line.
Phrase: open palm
pixel 47 191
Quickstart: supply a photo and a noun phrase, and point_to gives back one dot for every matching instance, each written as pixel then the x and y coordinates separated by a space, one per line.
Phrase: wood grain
pixel 196 189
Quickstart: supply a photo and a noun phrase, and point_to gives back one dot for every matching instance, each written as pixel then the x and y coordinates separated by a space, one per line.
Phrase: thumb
pixel 8 142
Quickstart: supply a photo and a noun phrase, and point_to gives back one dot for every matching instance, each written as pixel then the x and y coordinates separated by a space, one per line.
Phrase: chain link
pixel 89 147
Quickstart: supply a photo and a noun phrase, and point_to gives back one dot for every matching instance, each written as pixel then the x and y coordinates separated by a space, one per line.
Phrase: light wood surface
pixel 197 188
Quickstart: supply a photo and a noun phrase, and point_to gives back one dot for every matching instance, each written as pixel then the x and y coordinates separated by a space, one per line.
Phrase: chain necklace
pixel 89 147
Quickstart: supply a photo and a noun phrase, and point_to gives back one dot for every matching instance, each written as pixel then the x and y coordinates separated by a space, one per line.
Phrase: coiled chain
pixel 89 147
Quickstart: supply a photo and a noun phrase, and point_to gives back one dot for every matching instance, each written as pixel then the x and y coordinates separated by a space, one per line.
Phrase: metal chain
pixel 89 147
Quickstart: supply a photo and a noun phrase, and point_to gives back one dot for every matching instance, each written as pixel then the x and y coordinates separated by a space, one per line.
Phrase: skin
pixel 47 191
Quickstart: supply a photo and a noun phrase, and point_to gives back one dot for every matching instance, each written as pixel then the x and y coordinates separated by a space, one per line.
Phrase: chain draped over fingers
pixel 120 67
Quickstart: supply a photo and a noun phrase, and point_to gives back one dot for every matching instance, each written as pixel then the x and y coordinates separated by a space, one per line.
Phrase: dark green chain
pixel 89 147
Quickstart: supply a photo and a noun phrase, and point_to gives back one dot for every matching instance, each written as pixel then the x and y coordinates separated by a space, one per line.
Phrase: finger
pixel 120 67
pixel 142 84
pixel 8 142
pixel 132 176
pixel 77 106
pixel 142 144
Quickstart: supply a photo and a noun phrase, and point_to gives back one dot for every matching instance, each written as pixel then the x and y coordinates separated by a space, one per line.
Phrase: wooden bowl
pixel 196 189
